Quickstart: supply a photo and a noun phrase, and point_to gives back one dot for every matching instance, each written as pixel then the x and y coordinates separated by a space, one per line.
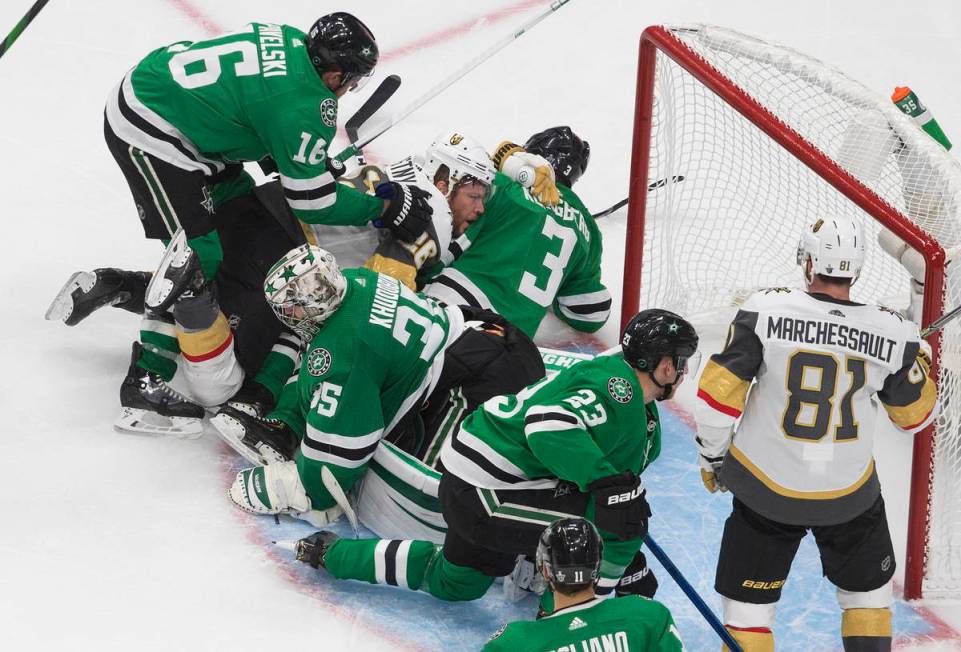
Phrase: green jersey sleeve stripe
pixel 550 418
pixel 347 458
pixel 344 441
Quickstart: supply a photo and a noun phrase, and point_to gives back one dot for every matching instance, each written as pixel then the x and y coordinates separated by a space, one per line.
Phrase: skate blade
pixel 232 433
pixel 62 305
pixel 144 422
pixel 158 290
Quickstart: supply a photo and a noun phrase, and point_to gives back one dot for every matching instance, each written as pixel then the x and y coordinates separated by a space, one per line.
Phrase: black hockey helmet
pixel 566 153
pixel 570 550
pixel 340 42
pixel 655 333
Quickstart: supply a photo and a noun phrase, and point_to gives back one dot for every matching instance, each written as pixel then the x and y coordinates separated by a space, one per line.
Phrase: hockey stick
pixel 331 484
pixel 692 595
pixel 22 25
pixel 654 185
pixel 453 77
pixel 373 104
pixel 941 322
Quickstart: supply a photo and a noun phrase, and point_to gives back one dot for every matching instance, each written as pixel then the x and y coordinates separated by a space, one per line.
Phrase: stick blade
pixel 373 104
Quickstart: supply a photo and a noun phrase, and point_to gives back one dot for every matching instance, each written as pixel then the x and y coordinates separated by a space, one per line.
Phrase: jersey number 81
pixel 812 380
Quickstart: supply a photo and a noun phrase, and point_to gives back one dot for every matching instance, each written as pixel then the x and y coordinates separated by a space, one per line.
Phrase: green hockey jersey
pixel 241 97
pixel 587 422
pixel 372 361
pixel 521 258
pixel 631 623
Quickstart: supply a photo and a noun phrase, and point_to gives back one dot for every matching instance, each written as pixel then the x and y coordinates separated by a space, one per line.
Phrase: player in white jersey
pixel 804 372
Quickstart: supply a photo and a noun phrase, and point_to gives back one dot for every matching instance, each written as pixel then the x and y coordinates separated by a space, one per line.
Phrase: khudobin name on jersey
pixel 802 453
pixel 375 357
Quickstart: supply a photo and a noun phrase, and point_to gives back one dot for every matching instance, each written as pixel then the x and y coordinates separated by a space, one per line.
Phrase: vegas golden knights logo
pixel 817 226
pixel 455 139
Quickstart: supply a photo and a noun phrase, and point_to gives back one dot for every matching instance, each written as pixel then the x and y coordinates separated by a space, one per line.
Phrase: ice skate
pixel 151 406
pixel 85 292
pixel 261 441
pixel 178 275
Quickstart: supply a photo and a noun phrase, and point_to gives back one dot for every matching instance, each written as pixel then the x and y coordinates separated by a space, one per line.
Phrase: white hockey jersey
pixel 803 450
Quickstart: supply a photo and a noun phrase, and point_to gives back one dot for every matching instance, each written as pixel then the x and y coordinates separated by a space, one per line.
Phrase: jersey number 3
pixel 812 380
pixel 555 263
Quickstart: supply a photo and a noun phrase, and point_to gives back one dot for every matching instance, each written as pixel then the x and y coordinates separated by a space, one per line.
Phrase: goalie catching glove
pixel 530 170
pixel 620 505
pixel 408 213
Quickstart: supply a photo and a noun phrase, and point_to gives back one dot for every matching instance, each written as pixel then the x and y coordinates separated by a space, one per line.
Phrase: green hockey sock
pixel 411 564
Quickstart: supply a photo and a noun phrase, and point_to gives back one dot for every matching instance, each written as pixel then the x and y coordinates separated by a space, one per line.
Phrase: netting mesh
pixel 731 226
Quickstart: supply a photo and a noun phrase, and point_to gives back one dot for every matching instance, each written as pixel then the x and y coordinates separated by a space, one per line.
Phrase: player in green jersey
pixel 376 351
pixel 524 256
pixel 179 125
pixel 569 558
pixel 572 445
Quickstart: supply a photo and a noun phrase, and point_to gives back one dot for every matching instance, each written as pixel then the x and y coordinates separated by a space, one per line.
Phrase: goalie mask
pixel 304 288
pixel 569 550
pixel 465 160
pixel 835 247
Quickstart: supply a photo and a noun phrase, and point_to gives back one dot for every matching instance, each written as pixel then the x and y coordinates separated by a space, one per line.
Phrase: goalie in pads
pixel 801 457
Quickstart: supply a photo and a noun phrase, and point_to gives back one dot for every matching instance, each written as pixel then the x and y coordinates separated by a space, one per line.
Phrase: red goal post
pixel 682 52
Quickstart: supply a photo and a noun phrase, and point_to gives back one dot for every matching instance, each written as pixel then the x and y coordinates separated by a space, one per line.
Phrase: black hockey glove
pixel 408 214
pixel 638 579
pixel 620 505
pixel 272 439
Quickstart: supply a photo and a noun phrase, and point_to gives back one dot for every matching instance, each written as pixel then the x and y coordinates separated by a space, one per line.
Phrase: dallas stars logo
pixel 328 112
pixel 673 327
pixel 318 362
pixel 365 51
pixel 620 389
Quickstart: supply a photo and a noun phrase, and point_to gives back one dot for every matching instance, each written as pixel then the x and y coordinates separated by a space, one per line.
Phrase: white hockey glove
pixel 530 170
pixel 710 469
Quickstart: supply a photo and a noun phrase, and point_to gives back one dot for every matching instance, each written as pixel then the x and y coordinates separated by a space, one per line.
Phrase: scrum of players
pixel 408 393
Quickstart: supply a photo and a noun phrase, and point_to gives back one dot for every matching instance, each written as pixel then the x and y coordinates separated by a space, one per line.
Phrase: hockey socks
pixel 751 639
pixel 866 630
pixel 160 349
pixel 207 345
pixel 416 565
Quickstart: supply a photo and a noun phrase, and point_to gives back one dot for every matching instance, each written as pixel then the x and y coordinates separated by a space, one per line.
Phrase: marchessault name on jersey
pixel 829 333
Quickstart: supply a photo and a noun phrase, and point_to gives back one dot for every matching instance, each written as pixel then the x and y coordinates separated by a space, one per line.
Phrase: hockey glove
pixel 407 214
pixel 311 550
pixel 620 505
pixel 710 470
pixel 530 170
pixel 638 579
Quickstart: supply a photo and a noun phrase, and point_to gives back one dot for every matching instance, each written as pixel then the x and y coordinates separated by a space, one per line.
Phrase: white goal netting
pixel 731 226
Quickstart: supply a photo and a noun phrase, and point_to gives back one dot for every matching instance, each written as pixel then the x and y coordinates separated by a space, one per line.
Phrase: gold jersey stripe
pixel 792 493
pixel 723 386
pixel 403 272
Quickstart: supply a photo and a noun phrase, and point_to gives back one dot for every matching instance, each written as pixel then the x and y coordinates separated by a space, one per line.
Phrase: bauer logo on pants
pixel 318 362
pixel 620 389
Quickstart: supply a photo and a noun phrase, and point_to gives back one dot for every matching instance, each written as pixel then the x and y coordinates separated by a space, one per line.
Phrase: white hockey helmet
pixel 465 159
pixel 304 288
pixel 835 247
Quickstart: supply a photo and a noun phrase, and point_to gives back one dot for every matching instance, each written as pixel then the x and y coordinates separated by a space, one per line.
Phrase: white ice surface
pixel 114 542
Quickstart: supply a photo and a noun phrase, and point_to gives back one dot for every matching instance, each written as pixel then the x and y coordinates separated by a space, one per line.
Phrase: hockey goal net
pixel 738 143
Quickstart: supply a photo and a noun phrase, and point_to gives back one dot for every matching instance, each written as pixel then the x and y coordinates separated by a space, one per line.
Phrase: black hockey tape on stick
pixel 373 104
pixel 22 25
pixel 654 185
